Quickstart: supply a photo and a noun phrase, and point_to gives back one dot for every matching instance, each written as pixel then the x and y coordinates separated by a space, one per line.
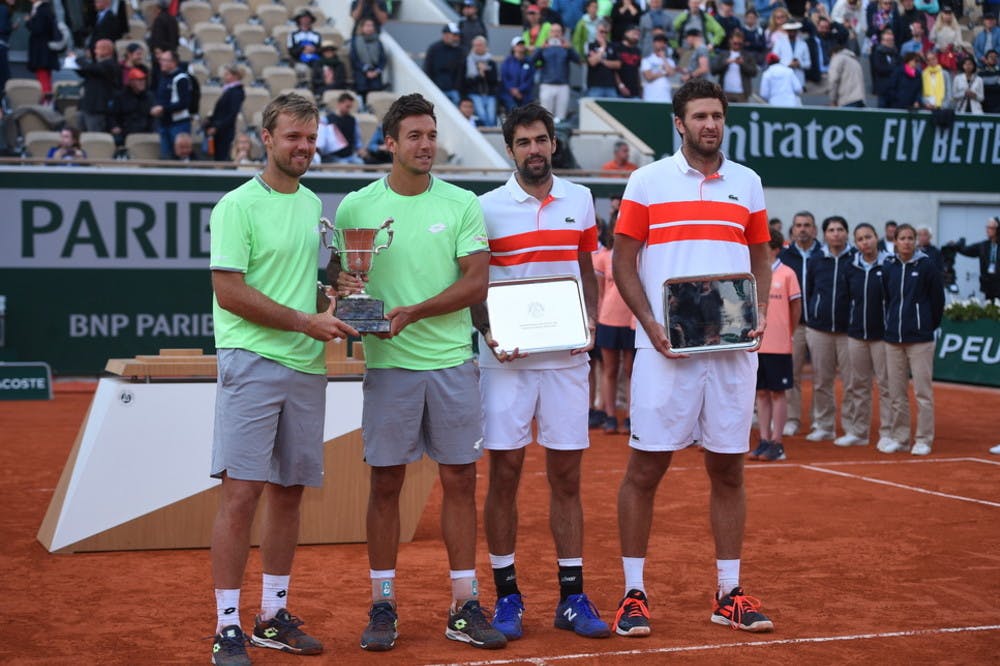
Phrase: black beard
pixel 529 177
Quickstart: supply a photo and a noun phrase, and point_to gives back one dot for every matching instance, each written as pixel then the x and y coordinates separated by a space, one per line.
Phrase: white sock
pixel 274 595
pixel 729 575
pixel 633 567
pixel 464 586
pixel 569 561
pixel 501 561
pixel 383 585
pixel 227 608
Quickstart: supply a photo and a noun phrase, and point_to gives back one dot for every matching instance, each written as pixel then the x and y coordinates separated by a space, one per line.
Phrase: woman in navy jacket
pixel 865 344
pixel 914 304
pixel 826 322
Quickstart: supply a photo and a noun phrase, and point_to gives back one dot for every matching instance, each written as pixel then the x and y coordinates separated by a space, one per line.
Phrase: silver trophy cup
pixel 356 249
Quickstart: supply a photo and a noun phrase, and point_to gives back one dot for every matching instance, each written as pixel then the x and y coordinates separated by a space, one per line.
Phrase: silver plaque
pixel 538 314
pixel 709 313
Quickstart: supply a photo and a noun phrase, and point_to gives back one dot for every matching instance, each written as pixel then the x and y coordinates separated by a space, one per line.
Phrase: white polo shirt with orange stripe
pixel 691 225
pixel 532 238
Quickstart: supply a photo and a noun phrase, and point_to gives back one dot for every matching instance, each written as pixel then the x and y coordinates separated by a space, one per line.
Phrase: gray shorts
pixel 268 421
pixel 409 412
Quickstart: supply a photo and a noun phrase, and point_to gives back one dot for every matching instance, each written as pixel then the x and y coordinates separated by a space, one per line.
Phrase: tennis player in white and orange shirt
pixel 690 214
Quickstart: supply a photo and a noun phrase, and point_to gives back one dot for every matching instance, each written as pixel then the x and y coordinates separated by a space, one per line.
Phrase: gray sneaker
pixel 470 625
pixel 380 635
pixel 229 648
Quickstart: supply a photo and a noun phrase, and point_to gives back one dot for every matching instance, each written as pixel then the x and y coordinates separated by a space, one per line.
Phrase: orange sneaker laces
pixel 632 608
pixel 742 603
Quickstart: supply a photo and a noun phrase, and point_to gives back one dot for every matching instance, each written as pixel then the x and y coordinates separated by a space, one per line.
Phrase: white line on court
pixel 901 485
pixel 723 646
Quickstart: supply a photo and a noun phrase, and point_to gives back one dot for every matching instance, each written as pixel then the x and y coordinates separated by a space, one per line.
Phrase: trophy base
pixel 363 313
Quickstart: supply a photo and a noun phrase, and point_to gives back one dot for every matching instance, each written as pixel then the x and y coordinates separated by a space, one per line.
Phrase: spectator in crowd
pixel 444 64
pixel 924 244
pixel 468 111
pixel 328 71
pixel 376 10
pixel 629 82
pixel 480 80
pixel 585 30
pixel 173 97
pixel 367 60
pixel 184 148
pixel 988 253
pixel 548 14
pixel 470 25
pixel 826 332
pixel 779 86
pixel 865 341
pixel 918 41
pixel 220 127
pixel 619 160
pixel 936 84
pixel 131 106
pixel 101 80
pixel 654 17
pixel 699 66
pixel 109 23
pixel 846 78
pixel 887 242
pixel 624 13
pixel 735 69
pixel 68 148
pixel 908 15
pixel 536 33
pixel 42 60
pixel 517 76
pixel 553 60
pixel 967 89
pixel 821 46
pixel 339 140
pixel 135 56
pixel 797 256
pixel 988 39
pixel 851 14
pixel 754 37
pixel 571 12
pixel 774 370
pixel 906 86
pixel 884 62
pixel 775 27
pixel 990 74
pixel 694 18
pixel 947 32
pixel 164 33
pixel 242 150
pixel 794 51
pixel 376 152
pixel 882 15
pixel 728 20
pixel 657 70
pixel 603 64
pixel 6 27
pixel 303 42
pixel 914 305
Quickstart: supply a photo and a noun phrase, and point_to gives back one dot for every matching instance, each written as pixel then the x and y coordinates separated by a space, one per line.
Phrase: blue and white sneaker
pixel 578 614
pixel 507 616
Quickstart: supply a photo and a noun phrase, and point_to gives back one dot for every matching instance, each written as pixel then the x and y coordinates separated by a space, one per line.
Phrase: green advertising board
pixel 25 381
pixel 968 352
pixel 865 149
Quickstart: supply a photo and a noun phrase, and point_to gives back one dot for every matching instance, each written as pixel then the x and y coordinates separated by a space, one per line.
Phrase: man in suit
pixel 108 24
pixel 221 125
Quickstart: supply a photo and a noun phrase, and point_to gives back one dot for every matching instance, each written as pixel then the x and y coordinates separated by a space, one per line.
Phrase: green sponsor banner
pixel 863 149
pixel 25 381
pixel 968 352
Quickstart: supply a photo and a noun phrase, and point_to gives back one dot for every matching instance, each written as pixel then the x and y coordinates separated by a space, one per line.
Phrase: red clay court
pixel 857 557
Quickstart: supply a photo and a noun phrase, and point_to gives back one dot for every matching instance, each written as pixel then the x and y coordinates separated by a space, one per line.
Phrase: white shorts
pixel 705 396
pixel 557 399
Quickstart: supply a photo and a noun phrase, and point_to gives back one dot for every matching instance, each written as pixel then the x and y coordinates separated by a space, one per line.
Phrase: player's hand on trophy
pixel 761 325
pixel 323 326
pixel 661 341
pixel 349 283
pixel 592 327
pixel 502 355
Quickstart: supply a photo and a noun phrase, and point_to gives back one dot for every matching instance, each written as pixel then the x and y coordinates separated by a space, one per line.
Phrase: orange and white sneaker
pixel 740 611
pixel 632 618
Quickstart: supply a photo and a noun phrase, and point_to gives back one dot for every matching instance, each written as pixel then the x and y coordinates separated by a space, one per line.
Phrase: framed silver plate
pixel 709 313
pixel 538 314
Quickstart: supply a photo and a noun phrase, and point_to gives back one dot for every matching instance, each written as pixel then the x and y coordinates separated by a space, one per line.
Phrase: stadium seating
pixel 196 11
pixel 272 16
pixel 22 92
pixel 143 146
pixel 278 77
pixel 37 143
pixel 98 145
